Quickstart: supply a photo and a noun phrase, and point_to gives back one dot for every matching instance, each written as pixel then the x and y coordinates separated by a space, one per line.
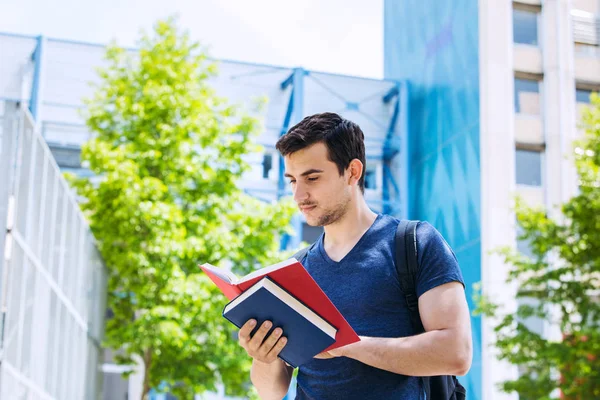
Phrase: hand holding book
pixel 306 332
pixel 261 347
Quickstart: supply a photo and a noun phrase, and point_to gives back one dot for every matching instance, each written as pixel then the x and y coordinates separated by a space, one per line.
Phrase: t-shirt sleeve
pixel 437 263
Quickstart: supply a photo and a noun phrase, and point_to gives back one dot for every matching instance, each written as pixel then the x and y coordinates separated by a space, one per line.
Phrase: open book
pixel 294 279
pixel 232 281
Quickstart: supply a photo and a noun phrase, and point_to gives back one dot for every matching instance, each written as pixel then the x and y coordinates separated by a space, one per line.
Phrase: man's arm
pixel 272 381
pixel 444 349
pixel 269 374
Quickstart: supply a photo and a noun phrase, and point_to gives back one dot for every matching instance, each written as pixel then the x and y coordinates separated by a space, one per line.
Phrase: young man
pixel 353 262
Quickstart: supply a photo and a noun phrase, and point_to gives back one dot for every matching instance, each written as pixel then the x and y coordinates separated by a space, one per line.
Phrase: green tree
pixel 562 275
pixel 167 153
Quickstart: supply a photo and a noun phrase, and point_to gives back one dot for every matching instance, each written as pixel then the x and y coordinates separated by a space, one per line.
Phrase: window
pixel 586 26
pixel 373 175
pixel 524 248
pixel 534 323
pixel 370 179
pixel 582 96
pixel 587 50
pixel 582 102
pixel 267 164
pixel 523 245
pixel 66 156
pixel 525 27
pixel 529 167
pixel 310 234
pixel 527 96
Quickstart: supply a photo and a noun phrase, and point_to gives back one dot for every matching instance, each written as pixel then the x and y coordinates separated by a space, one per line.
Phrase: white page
pixel 267 270
pixel 230 277
pixel 227 276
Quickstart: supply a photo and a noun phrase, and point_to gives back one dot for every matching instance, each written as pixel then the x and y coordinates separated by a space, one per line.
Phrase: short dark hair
pixel 344 139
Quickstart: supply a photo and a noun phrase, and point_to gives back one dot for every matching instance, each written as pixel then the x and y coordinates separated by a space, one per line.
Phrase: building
pixel 495 92
pixel 52 278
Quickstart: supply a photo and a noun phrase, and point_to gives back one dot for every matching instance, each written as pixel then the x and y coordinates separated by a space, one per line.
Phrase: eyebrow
pixel 309 172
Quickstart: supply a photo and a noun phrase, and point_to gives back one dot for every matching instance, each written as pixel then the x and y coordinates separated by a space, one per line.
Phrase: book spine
pixel 287 362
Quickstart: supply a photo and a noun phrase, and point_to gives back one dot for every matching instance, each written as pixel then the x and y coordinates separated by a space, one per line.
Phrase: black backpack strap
pixel 407 267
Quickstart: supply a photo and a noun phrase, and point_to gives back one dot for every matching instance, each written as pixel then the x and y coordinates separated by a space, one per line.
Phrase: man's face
pixel 320 192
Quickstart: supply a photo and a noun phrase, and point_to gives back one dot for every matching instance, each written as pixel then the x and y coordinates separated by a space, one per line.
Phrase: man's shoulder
pixel 427 235
pixel 425 231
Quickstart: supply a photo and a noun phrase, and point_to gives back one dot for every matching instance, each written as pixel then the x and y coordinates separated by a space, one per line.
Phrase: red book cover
pixel 293 277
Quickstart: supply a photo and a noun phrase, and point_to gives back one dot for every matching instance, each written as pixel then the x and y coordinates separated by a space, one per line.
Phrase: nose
pixel 300 193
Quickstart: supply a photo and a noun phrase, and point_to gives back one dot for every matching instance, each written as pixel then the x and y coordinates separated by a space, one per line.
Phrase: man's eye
pixel 312 179
pixel 292 181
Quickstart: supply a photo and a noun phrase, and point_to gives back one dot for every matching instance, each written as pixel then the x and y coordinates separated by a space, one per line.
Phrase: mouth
pixel 307 208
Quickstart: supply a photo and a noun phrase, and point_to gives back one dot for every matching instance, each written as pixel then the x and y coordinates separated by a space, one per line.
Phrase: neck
pixel 357 220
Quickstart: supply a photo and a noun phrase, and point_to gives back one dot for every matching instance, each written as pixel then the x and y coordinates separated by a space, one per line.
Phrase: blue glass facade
pixel 433 45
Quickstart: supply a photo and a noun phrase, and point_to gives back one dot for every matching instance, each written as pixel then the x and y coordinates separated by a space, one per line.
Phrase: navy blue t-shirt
pixel 364 286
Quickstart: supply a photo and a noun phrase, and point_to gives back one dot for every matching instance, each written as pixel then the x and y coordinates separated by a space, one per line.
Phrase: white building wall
pixel 559 109
pixel 497 176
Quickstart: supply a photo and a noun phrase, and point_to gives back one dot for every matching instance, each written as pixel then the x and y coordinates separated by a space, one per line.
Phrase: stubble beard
pixel 334 214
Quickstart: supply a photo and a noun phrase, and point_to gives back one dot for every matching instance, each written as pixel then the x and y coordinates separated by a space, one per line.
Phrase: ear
pixel 354 171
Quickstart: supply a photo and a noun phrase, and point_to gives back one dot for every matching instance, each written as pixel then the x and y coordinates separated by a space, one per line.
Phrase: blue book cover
pixel 307 333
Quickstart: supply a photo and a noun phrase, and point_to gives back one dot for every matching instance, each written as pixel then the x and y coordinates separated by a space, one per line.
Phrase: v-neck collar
pixel 325 256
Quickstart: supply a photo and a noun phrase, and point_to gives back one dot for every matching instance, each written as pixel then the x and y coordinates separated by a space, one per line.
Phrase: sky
pixel 338 36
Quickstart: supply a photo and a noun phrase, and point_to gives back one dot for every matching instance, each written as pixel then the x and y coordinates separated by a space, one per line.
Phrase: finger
pixel 268 344
pixel 272 355
pixel 259 336
pixel 245 330
pixel 323 356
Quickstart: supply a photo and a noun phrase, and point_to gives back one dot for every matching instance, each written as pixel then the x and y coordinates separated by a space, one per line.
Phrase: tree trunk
pixel 147 361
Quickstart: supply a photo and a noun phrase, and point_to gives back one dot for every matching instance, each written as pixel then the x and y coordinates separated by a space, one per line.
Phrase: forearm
pixel 271 380
pixel 429 354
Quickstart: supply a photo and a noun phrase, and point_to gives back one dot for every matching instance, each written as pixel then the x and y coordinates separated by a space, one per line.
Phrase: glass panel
pixel 527 96
pixel 267 164
pixel 66 156
pixel 587 50
pixel 529 167
pixel 15 306
pixel 582 96
pixel 52 335
pixel 370 180
pixel 534 324
pixel 525 29
pixel 27 315
pixel 22 195
pixel 523 245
